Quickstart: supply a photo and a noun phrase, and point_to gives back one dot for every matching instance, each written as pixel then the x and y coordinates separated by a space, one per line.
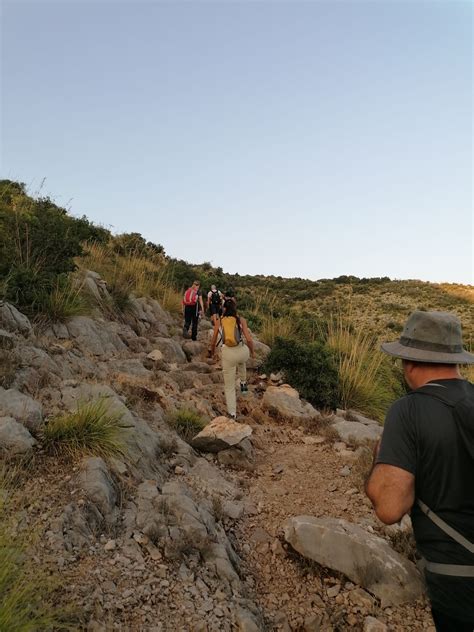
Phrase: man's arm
pixel 392 492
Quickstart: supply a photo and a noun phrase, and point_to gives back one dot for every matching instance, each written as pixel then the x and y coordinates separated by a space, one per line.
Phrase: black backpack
pixel 216 298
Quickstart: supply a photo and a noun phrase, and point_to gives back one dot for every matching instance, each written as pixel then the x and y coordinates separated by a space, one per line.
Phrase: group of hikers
pixel 424 463
pixel 230 329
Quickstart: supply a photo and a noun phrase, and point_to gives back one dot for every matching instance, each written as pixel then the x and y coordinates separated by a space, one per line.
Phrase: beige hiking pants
pixel 233 359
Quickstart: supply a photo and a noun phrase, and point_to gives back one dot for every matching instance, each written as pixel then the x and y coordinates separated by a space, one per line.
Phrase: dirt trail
pixel 296 475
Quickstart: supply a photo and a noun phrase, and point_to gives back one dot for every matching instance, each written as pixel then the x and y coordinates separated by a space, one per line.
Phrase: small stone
pixel 333 591
pixel 110 545
pixel 179 470
pixel 278 469
pixel 371 624
pixel 345 471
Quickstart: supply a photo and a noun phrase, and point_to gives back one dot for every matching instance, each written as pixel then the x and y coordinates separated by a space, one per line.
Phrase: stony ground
pixel 123 580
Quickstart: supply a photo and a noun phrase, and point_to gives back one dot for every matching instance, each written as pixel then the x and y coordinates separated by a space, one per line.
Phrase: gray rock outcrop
pixel 13 320
pixel 356 432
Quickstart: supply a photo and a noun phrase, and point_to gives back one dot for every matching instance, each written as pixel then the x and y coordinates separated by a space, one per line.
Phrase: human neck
pixel 428 374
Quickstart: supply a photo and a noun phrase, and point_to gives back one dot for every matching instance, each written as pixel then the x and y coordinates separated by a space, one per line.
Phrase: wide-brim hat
pixel 431 337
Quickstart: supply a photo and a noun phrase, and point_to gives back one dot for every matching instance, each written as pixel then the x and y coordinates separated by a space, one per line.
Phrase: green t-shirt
pixel 420 436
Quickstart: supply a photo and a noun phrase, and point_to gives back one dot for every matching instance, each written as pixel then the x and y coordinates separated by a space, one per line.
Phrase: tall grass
pixel 25 596
pixel 64 301
pixel 132 274
pixel 92 429
pixel 365 383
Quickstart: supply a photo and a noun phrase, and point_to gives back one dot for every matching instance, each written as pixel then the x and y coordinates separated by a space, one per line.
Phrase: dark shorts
pixel 215 309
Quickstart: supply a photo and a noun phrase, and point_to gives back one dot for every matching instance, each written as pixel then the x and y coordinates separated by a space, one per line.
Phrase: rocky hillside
pixel 248 526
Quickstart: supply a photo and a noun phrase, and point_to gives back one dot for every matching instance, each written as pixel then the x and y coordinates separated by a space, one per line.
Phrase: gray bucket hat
pixel 431 337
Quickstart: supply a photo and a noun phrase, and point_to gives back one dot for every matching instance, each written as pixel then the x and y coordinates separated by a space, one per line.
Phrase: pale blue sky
pixel 308 139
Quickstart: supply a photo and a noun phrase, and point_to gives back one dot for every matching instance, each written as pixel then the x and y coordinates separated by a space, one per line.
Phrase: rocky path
pixel 299 473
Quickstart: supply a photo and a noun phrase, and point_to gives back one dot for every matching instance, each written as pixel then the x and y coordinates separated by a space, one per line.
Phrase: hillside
pixel 128 502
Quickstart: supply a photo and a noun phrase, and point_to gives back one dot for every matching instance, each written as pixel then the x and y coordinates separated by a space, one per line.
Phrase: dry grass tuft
pixel 187 423
pixel 91 429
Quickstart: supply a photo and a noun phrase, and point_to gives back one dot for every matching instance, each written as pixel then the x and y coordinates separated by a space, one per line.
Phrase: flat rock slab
pixel 221 433
pixel 356 432
pixel 364 558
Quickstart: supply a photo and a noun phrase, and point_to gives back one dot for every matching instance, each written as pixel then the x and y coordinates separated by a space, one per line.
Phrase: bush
pixel 91 429
pixel 309 368
pixel 187 423
pixel 38 243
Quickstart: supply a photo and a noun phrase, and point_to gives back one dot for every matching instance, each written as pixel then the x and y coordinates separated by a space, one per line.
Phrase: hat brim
pixel 398 350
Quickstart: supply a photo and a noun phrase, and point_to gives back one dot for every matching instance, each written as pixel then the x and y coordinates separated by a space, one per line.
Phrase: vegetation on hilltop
pixel 45 253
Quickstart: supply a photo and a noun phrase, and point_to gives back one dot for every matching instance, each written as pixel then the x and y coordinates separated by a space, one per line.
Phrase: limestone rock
pixel 245 621
pixel 14 437
pixel 94 337
pixel 366 559
pixel 21 407
pixel 156 355
pixel 371 624
pixel 98 485
pixel 171 350
pixel 219 434
pixel 284 401
pixel 355 432
pixel 13 320
pixel 193 349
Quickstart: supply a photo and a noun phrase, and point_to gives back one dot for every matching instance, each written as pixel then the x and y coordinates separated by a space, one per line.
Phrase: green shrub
pixel 38 243
pixel 187 423
pixel 92 429
pixel 309 368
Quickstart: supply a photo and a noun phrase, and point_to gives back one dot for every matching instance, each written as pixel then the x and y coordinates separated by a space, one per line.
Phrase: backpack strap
pixel 444 526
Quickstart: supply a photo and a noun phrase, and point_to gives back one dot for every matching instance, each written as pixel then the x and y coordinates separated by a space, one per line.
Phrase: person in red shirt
pixel 193 308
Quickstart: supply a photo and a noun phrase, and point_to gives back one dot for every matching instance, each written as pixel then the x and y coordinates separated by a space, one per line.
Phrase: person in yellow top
pixel 235 353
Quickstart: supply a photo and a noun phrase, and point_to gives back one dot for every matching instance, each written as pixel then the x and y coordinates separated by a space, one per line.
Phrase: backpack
pixel 463 412
pixel 190 296
pixel 231 332
pixel 463 415
pixel 216 298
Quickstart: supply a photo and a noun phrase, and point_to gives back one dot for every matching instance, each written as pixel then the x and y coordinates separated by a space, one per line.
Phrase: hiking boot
pixel 243 387
pixel 233 417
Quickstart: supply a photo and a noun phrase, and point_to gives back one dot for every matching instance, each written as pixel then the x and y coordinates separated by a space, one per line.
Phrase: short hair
pixel 432 365
pixel 196 282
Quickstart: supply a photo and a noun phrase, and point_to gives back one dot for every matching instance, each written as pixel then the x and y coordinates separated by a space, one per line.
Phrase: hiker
pixel 193 308
pixel 233 330
pixel 229 296
pixel 424 463
pixel 215 300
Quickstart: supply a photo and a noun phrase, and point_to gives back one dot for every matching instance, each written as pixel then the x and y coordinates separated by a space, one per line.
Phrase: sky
pixel 301 139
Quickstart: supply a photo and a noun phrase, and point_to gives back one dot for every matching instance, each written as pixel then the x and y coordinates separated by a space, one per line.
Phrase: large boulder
pixel 364 558
pixel 13 320
pixel 193 349
pixel 221 433
pixel 356 432
pixel 14 437
pixel 284 402
pixel 21 407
